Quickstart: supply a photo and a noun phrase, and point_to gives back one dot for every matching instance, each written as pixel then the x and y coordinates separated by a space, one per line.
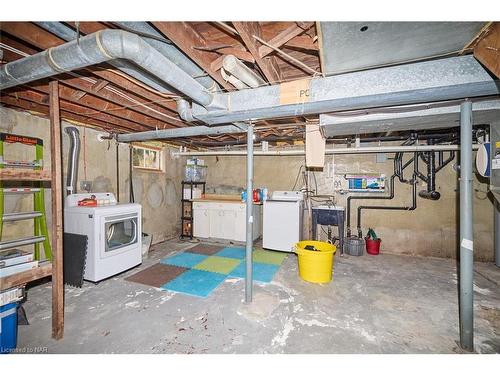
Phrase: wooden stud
pixel 57 214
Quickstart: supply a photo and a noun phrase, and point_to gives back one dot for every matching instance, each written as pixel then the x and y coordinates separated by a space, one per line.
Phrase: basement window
pixel 147 158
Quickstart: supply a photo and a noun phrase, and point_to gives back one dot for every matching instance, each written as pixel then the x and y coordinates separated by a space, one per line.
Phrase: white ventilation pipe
pixel 233 80
pixel 236 68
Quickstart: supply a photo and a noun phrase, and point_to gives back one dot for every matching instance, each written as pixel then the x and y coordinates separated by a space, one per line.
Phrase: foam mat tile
pixel 269 257
pixel 195 283
pixel 156 275
pixel 188 260
pixel 232 252
pixel 218 264
pixel 261 272
pixel 205 249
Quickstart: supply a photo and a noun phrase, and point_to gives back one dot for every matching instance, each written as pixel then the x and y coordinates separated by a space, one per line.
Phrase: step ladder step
pixel 21 216
pixel 20 164
pixel 21 190
pixel 4 245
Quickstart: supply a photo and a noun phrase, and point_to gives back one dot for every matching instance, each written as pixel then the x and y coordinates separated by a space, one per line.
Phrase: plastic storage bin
pixel 315 266
pixel 354 246
pixel 8 327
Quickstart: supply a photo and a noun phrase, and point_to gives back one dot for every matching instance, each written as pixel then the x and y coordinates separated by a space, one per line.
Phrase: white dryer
pixel 114 233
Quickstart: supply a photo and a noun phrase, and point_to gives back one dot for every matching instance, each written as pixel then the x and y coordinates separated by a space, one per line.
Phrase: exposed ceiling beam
pixel 303 42
pixel 42 39
pixel 285 36
pixel 109 101
pixel 269 66
pixel 25 105
pixel 43 99
pixel 487 49
pixel 224 49
pixel 184 36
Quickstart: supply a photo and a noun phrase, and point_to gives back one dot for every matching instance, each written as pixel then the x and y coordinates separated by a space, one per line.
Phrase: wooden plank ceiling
pixel 106 98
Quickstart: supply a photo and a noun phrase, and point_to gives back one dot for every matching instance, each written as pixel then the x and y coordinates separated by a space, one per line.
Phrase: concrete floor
pixel 381 304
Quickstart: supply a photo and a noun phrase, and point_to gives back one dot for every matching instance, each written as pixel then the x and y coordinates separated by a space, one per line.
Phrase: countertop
pixel 222 200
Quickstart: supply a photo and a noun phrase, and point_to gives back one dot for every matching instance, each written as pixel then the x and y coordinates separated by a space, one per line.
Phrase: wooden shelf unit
pixel 21 174
pixel 22 278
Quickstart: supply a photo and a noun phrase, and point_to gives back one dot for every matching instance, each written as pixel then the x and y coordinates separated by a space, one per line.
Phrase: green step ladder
pixel 38 214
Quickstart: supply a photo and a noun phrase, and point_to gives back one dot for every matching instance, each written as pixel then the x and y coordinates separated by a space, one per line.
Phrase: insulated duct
pixel 74 153
pixel 102 46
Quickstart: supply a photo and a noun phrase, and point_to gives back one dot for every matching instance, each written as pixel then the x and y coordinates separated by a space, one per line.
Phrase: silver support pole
pixel 466 232
pixel 249 239
pixel 496 214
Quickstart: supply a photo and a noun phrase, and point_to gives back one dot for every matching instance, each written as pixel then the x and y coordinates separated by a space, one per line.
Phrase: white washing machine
pixel 282 222
pixel 113 230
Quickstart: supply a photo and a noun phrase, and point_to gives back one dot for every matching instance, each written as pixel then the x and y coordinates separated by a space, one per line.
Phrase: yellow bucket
pixel 315 266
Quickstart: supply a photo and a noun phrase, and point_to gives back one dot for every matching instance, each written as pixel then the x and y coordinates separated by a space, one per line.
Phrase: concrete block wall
pixel 158 193
pixel 430 230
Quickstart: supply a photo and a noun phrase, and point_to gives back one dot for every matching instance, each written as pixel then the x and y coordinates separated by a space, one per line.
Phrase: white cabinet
pixel 224 220
pixel 201 222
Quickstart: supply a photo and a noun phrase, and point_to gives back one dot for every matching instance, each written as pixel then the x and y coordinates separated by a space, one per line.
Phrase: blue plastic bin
pixel 8 327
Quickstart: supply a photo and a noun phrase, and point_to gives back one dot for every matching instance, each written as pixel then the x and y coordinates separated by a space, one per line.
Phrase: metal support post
pixel 250 220
pixel 466 233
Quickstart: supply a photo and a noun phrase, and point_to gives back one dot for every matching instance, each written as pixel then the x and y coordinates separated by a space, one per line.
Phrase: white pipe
pixel 236 68
pixel 233 80
pixel 331 151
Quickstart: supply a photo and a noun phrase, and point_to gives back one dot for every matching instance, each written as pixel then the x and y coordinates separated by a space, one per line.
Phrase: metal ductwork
pixel 64 32
pixel 99 47
pixel 74 153
pixel 170 51
pixel 184 110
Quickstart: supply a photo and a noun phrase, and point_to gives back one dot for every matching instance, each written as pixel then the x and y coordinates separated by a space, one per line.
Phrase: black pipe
pixel 404 208
pixel 430 159
pixel 397 173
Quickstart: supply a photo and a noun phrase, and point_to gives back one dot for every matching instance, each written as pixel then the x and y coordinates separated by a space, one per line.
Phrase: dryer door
pixel 121 232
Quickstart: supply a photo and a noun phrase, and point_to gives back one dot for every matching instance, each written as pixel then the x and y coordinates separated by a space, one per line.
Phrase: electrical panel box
pixel 370 183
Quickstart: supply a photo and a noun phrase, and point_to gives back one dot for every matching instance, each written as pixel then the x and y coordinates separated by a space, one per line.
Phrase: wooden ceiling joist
pixel 269 67
pixel 104 97
pixel 303 42
pixel 185 37
pixel 42 39
pixel 42 98
pixel 26 105
pixel 487 49
pixel 285 36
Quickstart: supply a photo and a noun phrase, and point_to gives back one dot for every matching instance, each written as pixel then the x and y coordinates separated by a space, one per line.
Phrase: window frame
pixel 159 152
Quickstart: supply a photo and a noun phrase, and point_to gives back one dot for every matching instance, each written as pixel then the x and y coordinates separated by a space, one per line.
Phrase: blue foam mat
pixel 187 260
pixel 232 252
pixel 195 283
pixel 261 272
